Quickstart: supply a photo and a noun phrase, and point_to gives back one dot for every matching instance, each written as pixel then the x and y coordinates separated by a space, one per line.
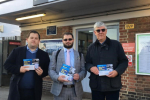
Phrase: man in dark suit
pixel 109 53
pixel 26 84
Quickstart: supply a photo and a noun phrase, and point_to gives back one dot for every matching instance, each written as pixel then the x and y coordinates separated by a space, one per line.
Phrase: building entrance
pixel 86 36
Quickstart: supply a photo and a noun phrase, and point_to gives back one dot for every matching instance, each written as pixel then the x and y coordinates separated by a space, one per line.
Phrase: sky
pixel 10 30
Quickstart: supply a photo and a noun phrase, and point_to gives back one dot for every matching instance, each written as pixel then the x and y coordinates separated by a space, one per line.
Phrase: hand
pixel 94 70
pixel 23 69
pixel 112 74
pixel 76 76
pixel 62 78
pixel 39 71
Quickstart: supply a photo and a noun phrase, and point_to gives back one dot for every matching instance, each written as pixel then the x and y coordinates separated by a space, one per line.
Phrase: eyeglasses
pixel 103 30
pixel 68 39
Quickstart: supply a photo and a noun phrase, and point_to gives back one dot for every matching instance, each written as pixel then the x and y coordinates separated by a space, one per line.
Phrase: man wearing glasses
pixel 67 70
pixel 106 62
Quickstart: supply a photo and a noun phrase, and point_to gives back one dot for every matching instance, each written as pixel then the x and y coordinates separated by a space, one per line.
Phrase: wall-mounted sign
pixel 130 60
pixel 128 47
pixel 129 26
pixel 51 30
pixel 1 28
pixel 14 43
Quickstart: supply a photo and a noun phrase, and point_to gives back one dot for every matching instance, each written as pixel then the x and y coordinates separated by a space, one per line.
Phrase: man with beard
pixel 62 88
pixel 26 84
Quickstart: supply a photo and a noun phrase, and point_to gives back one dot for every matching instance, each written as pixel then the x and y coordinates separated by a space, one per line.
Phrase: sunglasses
pixel 68 39
pixel 103 30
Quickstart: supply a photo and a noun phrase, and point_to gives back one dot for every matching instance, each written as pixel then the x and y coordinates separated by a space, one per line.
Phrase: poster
pixel 50 45
pixel 143 54
pixel 129 60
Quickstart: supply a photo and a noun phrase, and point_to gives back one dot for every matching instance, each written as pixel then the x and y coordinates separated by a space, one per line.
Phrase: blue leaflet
pixel 27 61
pixel 65 69
pixel 32 63
pixel 102 67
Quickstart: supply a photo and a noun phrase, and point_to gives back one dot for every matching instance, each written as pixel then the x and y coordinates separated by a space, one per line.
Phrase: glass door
pixel 84 39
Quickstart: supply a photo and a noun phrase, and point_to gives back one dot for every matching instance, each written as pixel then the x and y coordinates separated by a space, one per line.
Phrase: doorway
pixel 85 37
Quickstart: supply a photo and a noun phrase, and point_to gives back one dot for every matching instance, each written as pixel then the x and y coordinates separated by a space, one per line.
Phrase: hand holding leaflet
pixel 104 69
pixel 28 62
pixel 61 78
pixel 32 63
pixel 64 70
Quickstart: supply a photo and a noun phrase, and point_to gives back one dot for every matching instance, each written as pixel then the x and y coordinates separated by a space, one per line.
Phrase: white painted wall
pixel 15 5
pixel 10 30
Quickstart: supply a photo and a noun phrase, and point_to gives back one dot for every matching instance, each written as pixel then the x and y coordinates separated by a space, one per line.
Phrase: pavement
pixel 5 90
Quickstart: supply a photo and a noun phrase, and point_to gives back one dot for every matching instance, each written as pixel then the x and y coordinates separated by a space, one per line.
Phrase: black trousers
pixel 110 95
pixel 27 94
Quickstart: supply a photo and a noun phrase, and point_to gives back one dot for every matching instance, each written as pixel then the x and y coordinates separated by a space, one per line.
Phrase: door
pixel 84 38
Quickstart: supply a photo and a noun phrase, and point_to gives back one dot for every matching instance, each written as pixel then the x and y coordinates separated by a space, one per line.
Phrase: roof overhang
pixel 74 9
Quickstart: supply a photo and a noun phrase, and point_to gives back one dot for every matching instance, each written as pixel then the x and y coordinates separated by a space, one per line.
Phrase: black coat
pixel 111 52
pixel 13 64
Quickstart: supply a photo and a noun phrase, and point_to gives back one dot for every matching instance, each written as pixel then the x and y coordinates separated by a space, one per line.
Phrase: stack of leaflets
pixel 67 71
pixel 32 63
pixel 104 69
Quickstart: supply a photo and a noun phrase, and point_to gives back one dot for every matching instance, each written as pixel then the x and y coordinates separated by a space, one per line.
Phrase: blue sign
pixel 51 30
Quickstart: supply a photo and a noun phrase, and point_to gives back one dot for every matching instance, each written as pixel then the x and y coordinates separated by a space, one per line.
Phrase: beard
pixel 68 46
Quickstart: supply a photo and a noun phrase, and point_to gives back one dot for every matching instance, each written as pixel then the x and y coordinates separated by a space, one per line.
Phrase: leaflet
pixel 67 71
pixel 104 69
pixel 32 63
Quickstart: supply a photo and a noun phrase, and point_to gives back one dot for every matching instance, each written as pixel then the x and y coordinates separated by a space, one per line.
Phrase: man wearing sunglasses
pixel 106 62
pixel 64 88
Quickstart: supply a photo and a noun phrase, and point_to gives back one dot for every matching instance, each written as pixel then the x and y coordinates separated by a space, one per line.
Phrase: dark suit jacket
pixel 110 52
pixel 13 64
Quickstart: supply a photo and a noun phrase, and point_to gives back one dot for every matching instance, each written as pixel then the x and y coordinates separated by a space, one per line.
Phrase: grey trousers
pixel 67 94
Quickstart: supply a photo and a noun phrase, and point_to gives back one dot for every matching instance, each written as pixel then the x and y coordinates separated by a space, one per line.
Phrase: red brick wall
pixel 60 31
pixel 42 32
pixel 135 87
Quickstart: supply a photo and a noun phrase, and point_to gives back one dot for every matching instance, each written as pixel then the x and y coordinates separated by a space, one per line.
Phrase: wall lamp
pixel 29 17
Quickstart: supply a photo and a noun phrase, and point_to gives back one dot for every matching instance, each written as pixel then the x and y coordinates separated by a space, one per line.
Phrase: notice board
pixel 143 54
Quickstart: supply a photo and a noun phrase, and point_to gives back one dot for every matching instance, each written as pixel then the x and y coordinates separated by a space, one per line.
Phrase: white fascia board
pixel 92 20
pixel 15 5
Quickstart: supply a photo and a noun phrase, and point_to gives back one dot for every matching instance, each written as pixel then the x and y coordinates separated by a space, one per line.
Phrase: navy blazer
pixel 111 52
pixel 13 64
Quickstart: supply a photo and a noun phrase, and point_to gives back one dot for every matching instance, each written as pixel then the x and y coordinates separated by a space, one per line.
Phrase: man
pixel 62 88
pixel 26 84
pixel 105 51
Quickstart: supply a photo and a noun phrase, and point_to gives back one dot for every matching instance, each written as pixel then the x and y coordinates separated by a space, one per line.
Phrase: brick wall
pixel 135 87
pixel 60 30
